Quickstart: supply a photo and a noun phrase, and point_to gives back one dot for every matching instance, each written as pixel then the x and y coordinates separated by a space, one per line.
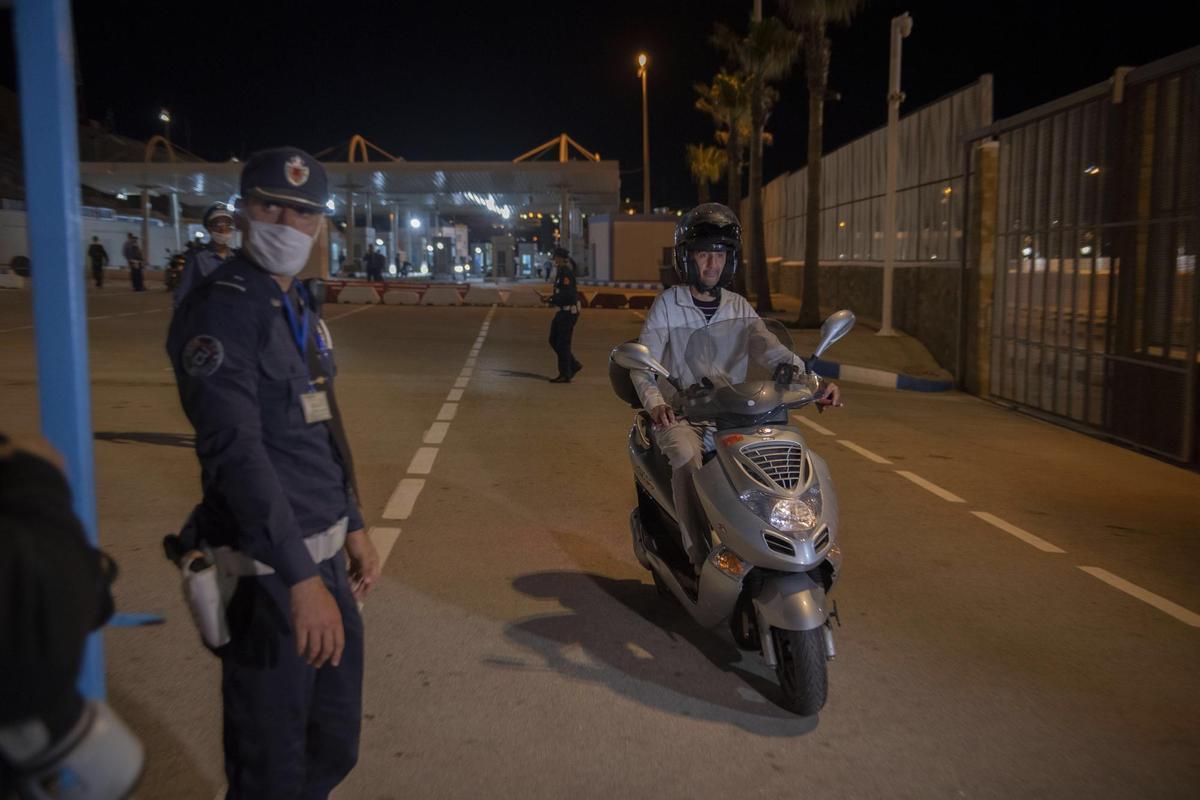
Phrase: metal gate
pixel 1096 304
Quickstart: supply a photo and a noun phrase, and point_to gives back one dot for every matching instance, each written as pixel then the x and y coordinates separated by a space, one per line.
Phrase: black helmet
pixel 215 211
pixel 710 226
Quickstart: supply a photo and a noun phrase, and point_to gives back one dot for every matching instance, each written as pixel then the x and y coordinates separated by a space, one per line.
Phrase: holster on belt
pixel 210 575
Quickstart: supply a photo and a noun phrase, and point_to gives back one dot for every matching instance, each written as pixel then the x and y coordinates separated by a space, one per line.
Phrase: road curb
pixel 879 377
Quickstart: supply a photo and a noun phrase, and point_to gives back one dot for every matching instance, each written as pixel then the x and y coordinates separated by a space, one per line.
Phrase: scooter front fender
pixel 791 602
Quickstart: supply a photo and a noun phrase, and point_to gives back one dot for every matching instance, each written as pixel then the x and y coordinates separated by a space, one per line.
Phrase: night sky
pixel 488 81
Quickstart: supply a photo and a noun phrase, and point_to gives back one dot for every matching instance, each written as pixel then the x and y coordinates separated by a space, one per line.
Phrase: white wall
pixel 112 233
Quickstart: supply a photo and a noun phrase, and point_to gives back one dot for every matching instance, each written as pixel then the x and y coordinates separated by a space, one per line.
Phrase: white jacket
pixel 674 310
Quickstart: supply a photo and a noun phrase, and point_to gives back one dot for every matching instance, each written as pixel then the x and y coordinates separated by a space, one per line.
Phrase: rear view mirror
pixel 836 326
pixel 632 355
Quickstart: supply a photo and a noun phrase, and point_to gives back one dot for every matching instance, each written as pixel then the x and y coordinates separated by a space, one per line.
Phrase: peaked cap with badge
pixel 286 175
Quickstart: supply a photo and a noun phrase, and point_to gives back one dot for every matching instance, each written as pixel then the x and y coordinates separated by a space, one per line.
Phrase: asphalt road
pixel 515 648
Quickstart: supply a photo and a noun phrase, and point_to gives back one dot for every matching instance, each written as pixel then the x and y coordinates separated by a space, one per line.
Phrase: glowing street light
pixel 642 69
pixel 414 223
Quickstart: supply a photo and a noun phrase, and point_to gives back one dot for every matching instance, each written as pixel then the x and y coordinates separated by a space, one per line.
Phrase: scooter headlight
pixel 787 514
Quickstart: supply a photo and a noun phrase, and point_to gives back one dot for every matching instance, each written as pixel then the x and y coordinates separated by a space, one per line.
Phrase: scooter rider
pixel 706 256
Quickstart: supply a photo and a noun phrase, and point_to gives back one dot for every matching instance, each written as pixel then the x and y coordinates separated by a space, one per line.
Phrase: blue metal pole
pixel 45 66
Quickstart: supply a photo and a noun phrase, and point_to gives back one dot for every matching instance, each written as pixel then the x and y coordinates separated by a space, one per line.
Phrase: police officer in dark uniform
pixel 202 260
pixel 255 373
pixel 566 302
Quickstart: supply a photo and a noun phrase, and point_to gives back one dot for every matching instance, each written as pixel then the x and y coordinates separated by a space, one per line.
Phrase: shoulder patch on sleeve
pixel 202 356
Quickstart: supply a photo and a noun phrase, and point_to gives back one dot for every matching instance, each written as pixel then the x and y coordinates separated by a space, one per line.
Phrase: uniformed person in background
pixel 202 260
pixel 255 373
pixel 566 303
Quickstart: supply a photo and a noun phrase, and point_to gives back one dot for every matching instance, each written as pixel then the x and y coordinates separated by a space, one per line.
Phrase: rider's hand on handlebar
pixel 830 395
pixel 663 415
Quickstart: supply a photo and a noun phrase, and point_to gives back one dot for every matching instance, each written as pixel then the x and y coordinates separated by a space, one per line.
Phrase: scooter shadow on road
pixel 136 437
pixel 646 662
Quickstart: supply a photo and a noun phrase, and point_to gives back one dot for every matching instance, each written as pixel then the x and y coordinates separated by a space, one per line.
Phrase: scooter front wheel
pixel 800 665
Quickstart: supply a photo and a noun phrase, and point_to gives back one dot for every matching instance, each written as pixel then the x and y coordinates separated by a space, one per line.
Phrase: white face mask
pixel 222 239
pixel 279 249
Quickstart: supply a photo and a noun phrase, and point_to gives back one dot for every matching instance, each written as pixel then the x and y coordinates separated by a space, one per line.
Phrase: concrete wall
pixel 638 247
pixel 599 241
pixel 112 232
pixel 925 304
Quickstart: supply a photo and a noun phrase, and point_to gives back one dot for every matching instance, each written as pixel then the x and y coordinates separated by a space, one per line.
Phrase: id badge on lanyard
pixel 314 402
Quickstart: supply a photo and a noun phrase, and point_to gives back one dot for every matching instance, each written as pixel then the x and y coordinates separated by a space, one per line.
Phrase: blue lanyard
pixel 299 329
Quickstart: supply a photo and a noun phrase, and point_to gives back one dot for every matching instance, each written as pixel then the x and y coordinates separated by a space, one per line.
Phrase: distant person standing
pixel 99 258
pixel 375 261
pixel 202 260
pixel 566 302
pixel 133 258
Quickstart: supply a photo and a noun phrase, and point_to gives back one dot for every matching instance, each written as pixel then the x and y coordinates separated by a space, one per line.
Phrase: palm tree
pixel 706 164
pixel 766 54
pixel 813 18
pixel 727 101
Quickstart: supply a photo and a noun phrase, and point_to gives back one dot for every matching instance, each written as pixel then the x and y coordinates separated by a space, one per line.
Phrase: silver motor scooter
pixel 765 498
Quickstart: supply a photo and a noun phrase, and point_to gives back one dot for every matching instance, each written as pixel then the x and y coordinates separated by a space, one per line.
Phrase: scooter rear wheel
pixel 801 668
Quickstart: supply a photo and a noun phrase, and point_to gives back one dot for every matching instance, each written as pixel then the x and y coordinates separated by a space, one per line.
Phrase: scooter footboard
pixel 792 602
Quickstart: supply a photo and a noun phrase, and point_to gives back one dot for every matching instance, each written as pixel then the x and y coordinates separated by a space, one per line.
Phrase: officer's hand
pixel 317 623
pixel 663 415
pixel 364 563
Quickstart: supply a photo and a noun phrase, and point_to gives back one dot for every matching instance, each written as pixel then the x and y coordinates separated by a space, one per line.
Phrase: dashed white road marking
pixel 1133 590
pixel 400 504
pixel 930 487
pixel 102 316
pixel 470 362
pixel 1023 535
pixel 384 540
pixel 638 652
pixel 436 433
pixel 454 396
pixel 348 313
pixel 447 412
pixel 475 351
pixel 129 314
pixel 467 372
pixel 461 383
pixel 818 428
pixel 864 452
pixel 422 461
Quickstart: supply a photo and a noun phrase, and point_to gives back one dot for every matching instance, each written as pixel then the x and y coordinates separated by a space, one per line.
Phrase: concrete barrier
pixel 609 300
pixel 641 301
pixel 523 297
pixel 401 297
pixel 441 296
pixel 358 294
pixel 482 296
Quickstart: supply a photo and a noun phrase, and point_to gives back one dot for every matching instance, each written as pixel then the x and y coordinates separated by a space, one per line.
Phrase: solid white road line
pixel 455 395
pixel 400 504
pixel 22 328
pixel 448 411
pixel 1023 535
pixel 348 313
pixel 461 383
pixel 422 461
pixel 436 433
pixel 930 487
pixel 818 428
pixel 102 316
pixel 864 452
pixel 384 540
pixel 1133 590
pixel 128 314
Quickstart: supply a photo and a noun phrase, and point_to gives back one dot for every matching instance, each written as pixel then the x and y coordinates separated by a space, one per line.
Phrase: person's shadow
pixel 650 654
pixel 509 373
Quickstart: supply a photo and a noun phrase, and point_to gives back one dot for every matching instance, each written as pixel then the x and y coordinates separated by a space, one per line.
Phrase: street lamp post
pixel 901 28
pixel 164 117
pixel 645 137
